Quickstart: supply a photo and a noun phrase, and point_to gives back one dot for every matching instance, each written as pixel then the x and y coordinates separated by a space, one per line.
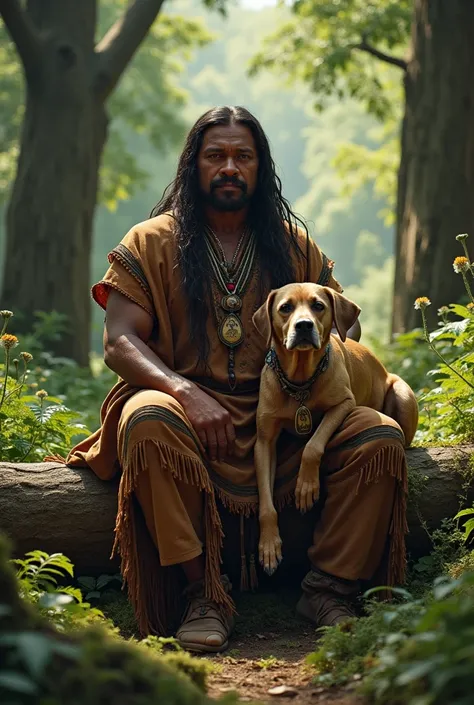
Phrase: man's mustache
pixel 230 181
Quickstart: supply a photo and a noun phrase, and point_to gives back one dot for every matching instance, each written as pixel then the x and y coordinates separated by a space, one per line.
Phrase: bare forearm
pixel 138 365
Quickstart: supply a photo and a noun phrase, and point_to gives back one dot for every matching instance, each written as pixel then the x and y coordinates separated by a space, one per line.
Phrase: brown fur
pixel 355 377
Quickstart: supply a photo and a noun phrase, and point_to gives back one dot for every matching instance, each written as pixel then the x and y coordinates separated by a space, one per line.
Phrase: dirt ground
pixel 267 651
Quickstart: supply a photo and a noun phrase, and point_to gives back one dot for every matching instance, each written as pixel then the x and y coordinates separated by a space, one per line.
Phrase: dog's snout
pixel 304 325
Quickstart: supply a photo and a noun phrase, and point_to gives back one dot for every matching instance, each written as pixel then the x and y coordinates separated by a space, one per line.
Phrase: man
pixel 179 296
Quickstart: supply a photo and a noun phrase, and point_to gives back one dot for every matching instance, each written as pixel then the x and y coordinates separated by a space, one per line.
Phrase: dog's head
pixel 301 316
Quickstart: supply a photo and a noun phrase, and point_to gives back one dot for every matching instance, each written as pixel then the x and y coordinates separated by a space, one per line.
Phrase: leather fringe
pixel 244 576
pixel 152 588
pixel 392 459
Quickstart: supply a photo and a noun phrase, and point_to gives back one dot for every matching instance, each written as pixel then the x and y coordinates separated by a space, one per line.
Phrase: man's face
pixel 228 167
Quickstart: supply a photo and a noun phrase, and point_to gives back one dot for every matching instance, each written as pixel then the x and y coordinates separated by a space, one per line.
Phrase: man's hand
pixel 211 422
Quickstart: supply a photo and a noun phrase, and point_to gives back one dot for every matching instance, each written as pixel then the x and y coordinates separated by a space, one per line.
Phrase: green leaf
pixel 86 582
pixel 94 595
pixel 396 591
pixel 464 513
pixel 104 580
pixel 468 529
pixel 17 683
pixel 415 671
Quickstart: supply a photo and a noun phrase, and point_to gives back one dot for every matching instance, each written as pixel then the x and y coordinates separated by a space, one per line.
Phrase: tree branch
pixel 393 60
pixel 119 44
pixel 22 33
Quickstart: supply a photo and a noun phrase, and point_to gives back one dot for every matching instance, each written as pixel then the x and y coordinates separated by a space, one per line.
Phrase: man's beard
pixel 227 202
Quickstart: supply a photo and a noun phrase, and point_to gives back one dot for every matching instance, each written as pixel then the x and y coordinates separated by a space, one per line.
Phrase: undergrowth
pixel 419 649
pixel 445 390
pixel 56 649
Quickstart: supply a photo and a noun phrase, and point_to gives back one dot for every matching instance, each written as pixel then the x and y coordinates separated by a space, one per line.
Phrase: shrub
pixel 51 660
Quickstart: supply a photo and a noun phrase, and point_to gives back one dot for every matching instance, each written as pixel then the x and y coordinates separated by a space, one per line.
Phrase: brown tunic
pixel 142 267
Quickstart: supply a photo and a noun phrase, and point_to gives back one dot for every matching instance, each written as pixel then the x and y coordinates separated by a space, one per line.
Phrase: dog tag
pixel 303 421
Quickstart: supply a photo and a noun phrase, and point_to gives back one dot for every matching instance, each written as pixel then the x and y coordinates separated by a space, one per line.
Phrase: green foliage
pixel 53 657
pixel 448 408
pixel 148 100
pixel 94 587
pixel 446 390
pixel 468 526
pixel 431 663
pixel 40 577
pixel 351 648
pixel 323 46
pixel 31 426
pixel 412 651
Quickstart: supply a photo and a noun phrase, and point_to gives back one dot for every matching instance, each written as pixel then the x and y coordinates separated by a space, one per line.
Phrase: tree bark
pixel 50 214
pixel 49 217
pixel 436 176
pixel 57 509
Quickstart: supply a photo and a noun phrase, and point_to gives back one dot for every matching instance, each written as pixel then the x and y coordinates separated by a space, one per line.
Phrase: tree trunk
pixel 49 219
pixel 54 508
pixel 436 177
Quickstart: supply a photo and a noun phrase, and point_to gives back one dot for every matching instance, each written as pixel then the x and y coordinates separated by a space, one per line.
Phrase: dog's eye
pixel 317 306
pixel 286 308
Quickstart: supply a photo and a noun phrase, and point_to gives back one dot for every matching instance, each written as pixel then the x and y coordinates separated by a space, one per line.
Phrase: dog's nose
pixel 304 325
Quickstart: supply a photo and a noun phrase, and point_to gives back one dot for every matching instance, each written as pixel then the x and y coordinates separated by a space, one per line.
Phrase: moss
pixel 115 606
pixel 111 670
pixel 89 666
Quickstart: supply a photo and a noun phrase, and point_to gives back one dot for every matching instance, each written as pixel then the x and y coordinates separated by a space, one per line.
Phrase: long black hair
pixel 269 211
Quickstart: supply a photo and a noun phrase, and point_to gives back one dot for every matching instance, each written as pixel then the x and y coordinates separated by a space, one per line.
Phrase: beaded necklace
pixel 232 279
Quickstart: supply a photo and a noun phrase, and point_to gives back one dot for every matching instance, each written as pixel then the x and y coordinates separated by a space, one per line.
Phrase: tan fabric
pixel 363 492
pixel 143 268
pixel 145 434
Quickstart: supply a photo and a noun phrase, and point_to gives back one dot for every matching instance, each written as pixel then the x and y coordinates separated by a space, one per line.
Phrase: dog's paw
pixel 307 491
pixel 269 551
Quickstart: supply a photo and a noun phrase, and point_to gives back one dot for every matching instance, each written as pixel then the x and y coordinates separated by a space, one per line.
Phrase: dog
pixel 296 322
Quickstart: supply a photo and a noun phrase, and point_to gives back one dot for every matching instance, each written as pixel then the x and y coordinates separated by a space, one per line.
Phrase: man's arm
pixel 127 329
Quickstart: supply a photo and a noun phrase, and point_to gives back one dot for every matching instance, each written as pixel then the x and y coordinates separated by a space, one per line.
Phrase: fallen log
pixel 58 509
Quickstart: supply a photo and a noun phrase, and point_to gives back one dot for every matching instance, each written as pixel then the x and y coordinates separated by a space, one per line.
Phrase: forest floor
pixel 267 650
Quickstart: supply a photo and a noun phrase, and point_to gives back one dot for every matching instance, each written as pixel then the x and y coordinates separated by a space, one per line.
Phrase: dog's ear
pixel 344 312
pixel 262 318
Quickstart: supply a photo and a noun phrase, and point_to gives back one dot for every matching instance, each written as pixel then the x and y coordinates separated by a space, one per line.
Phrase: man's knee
pixel 154 417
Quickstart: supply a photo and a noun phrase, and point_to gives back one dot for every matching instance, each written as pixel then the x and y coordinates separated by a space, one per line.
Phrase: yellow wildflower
pixel 26 357
pixel 8 341
pixel 461 264
pixel 41 394
pixel 422 302
pixel 470 306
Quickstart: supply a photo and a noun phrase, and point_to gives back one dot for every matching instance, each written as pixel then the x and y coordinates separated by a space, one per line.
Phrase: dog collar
pixel 300 392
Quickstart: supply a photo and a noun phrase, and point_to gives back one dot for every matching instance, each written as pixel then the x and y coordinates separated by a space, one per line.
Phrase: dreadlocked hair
pixel 270 217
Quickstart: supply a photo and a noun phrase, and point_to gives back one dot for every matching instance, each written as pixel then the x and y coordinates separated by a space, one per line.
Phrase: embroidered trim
pixel 132 265
pixel 98 296
pixel 158 413
pixel 326 271
pixel 372 434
